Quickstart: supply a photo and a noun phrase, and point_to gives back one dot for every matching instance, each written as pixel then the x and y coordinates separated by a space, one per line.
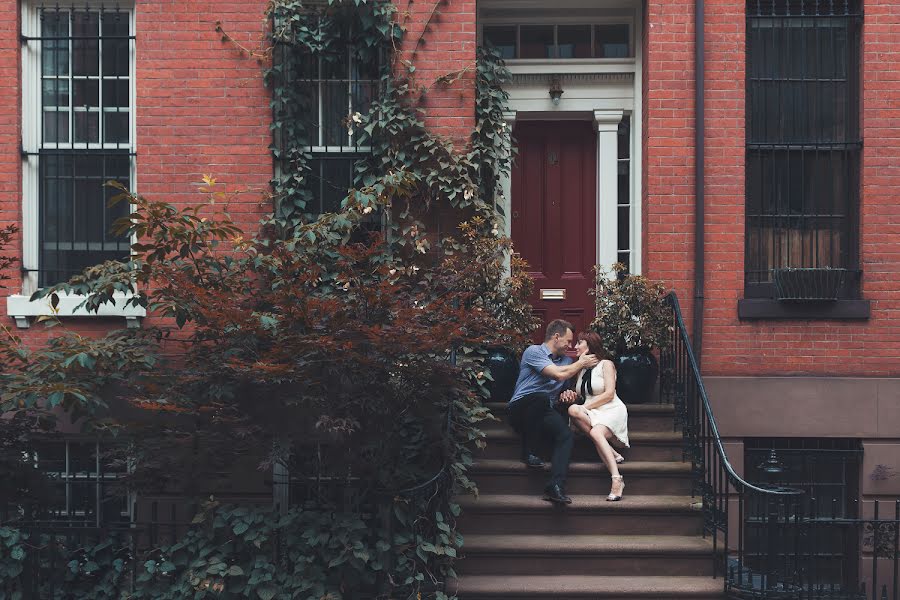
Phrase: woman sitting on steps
pixel 603 416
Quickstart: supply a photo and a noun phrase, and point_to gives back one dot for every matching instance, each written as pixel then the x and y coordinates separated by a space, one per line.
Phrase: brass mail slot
pixel 553 294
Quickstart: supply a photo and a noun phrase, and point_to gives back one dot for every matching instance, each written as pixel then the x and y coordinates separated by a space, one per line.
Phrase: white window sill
pixel 20 308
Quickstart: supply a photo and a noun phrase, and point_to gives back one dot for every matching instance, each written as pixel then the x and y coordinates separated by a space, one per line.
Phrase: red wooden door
pixel 554 189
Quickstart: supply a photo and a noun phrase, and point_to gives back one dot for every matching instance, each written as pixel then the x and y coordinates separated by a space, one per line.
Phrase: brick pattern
pixel 733 347
pixel 440 41
pixel 669 146
pixel 10 124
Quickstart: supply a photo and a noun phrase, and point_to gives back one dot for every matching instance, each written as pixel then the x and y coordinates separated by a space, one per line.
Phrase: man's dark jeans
pixel 533 417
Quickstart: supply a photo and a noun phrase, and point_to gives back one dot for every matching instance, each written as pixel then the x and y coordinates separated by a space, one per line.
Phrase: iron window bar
pixel 803 145
pixel 84 67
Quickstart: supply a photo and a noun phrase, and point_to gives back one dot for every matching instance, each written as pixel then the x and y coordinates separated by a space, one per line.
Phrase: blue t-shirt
pixel 531 381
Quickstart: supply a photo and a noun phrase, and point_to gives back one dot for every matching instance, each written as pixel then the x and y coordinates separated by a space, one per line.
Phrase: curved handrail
pixel 736 479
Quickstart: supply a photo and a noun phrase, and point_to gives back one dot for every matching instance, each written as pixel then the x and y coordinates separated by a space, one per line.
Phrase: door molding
pixel 602 92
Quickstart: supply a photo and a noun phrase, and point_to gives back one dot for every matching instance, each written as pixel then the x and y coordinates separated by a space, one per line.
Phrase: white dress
pixel 613 414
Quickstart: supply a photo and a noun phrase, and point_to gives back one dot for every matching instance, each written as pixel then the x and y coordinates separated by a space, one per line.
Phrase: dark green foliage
pixel 312 344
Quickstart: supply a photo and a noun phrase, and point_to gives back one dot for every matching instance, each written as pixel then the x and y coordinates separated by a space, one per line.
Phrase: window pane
pixel 366 64
pixel 56 127
pixel 85 52
pixel 87 127
pixel 115 93
pixel 55 92
pixel 335 66
pixel 624 138
pixel 74 215
pixel 115 127
pixel 54 52
pixel 624 183
pixel 501 38
pixel 87 93
pixel 115 44
pixel 612 41
pixel 334 177
pixel 624 227
pixel 335 108
pixel 363 93
pixel 574 41
pixel 537 41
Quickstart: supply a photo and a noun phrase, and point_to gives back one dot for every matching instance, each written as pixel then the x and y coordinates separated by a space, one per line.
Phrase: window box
pixel 808 284
pixel 22 307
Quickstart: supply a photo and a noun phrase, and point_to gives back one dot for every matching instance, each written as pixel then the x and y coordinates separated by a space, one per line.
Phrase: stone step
pixel 505 476
pixel 504 443
pixel 531 554
pixel 633 515
pixel 641 417
pixel 536 587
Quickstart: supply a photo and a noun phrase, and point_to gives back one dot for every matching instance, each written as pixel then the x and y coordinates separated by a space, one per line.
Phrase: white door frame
pixel 601 91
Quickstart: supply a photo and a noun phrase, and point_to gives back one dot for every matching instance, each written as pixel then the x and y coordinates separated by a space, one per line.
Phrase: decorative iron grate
pixel 809 284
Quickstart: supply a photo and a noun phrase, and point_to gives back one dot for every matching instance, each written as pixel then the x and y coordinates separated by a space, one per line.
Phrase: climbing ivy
pixel 259 318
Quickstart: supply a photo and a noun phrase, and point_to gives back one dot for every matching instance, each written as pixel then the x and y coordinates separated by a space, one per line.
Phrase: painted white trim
pixel 21 307
pixel 637 137
pixel 606 123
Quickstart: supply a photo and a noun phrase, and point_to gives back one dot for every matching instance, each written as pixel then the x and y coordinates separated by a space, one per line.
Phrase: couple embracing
pixel 554 391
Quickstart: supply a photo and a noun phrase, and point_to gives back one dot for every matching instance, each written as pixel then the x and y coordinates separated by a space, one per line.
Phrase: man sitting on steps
pixel 543 373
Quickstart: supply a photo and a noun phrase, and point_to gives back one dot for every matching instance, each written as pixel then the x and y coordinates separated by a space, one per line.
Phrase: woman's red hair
pixel 594 344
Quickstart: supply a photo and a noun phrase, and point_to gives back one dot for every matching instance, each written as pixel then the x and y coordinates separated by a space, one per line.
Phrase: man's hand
pixel 568 397
pixel 587 361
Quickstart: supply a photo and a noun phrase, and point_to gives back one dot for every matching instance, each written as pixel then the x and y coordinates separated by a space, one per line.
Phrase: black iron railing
pixel 771 541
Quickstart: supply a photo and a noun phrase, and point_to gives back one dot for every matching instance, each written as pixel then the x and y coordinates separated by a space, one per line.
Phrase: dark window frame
pixel 800 149
pixel 88 48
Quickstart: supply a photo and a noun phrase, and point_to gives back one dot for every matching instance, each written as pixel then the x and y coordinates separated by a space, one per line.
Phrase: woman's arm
pixel 609 386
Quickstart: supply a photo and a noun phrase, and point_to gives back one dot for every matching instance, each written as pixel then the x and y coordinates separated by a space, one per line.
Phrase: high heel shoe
pixel 612 497
pixel 619 459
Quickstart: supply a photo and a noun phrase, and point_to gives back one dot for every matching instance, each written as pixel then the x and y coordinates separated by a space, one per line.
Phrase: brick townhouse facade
pixel 800 169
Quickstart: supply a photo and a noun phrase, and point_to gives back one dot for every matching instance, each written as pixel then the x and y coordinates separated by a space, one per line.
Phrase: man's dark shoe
pixel 533 462
pixel 554 493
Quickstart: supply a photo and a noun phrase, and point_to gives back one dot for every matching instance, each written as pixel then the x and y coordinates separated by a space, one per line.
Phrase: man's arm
pixel 561 373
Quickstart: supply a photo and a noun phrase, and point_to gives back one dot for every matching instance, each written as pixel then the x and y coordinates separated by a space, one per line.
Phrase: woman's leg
pixel 580 418
pixel 601 436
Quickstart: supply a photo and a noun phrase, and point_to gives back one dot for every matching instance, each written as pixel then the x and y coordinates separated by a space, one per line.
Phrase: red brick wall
pixel 202 107
pixel 669 146
pixel 731 346
pixel 440 40
pixel 10 159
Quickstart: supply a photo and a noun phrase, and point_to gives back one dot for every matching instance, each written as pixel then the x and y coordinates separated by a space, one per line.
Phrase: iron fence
pixel 772 541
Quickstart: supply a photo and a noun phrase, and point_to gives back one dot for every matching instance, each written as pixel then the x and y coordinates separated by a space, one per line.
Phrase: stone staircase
pixel 649 545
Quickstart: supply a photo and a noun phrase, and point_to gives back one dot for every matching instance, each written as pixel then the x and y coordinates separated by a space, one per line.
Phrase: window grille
pixel 339 85
pixel 83 71
pixel 83 483
pixel 828 471
pixel 803 140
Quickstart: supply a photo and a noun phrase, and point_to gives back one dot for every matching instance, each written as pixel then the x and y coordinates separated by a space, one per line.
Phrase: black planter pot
pixel 636 374
pixel 504 366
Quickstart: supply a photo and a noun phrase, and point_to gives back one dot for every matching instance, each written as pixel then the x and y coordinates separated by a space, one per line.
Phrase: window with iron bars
pixel 803 144
pixel 827 470
pixel 78 126
pixel 82 483
pixel 338 86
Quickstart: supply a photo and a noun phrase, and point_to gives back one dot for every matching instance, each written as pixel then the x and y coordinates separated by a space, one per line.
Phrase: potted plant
pixel 633 320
